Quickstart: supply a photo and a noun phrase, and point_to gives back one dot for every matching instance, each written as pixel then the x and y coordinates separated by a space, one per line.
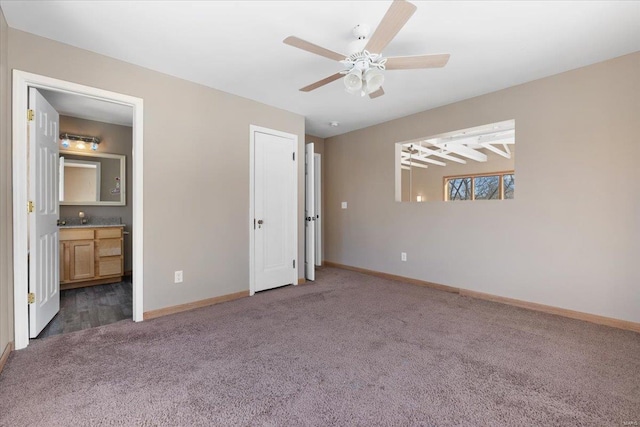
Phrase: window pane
pixel 509 186
pixel 459 188
pixel 487 187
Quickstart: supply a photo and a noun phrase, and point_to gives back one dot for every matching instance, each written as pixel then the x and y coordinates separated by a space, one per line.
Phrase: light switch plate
pixel 344 205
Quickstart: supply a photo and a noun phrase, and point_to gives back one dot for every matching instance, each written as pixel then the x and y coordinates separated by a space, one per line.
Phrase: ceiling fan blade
pixel 396 17
pixel 322 82
pixel 376 94
pixel 417 61
pixel 313 48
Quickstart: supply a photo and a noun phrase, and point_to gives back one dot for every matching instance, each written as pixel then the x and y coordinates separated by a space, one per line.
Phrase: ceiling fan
pixel 365 63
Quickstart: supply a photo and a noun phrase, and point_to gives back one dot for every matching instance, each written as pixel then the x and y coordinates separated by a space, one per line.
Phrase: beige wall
pixel 318 148
pixel 6 248
pixel 114 139
pixel 196 142
pixel 573 245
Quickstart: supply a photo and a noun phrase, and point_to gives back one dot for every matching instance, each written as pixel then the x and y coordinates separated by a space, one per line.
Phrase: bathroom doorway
pixel 22 175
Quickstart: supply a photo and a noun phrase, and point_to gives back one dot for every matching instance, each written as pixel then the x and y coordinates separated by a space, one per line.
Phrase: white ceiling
pixel 236 46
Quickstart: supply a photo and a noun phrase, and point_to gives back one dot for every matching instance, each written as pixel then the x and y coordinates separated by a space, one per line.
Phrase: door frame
pixel 252 262
pixel 309 220
pixel 22 80
pixel 317 196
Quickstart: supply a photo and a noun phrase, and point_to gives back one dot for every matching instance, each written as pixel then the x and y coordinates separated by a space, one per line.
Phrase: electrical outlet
pixel 177 276
pixel 344 205
pixel 403 256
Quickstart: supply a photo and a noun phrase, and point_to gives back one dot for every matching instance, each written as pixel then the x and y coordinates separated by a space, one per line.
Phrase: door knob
pixel 260 222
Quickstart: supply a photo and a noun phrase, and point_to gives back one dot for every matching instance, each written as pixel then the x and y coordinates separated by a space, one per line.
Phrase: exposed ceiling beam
pixel 428 160
pixel 414 165
pixel 507 135
pixel 423 159
pixel 440 154
pixel 447 156
pixel 465 151
pixel 496 150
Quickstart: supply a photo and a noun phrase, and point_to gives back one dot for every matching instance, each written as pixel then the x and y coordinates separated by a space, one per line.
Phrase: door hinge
pixel 30 115
pixel 30 207
pixel 294 157
pixel 31 298
pixel 294 263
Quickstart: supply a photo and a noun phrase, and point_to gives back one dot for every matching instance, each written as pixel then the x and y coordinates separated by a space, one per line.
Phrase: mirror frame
pixel 123 178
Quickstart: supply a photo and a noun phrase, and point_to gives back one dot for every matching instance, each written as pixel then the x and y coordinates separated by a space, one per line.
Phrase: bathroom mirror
pixel 476 163
pixel 94 179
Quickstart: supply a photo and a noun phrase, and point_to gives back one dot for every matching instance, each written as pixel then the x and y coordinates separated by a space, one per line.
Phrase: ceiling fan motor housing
pixel 361 31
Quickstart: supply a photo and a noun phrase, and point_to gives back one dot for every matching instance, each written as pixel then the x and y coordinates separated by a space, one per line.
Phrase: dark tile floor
pixel 89 307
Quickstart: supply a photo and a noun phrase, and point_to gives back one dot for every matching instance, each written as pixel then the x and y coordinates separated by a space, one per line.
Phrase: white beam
pixel 424 159
pixel 496 150
pixel 465 151
pixel 417 165
pixel 441 154
pixel 428 160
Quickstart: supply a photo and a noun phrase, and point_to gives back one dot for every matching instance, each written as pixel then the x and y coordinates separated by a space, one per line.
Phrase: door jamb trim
pixel 19 104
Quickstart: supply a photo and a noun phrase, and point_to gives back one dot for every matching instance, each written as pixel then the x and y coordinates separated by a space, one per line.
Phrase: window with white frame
pixel 486 186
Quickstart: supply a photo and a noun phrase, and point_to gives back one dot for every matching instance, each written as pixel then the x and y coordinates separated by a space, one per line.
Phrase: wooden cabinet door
pixel 82 259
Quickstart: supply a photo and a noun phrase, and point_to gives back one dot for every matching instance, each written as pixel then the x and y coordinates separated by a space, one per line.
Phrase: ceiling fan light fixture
pixel 374 79
pixel 353 80
pixel 365 54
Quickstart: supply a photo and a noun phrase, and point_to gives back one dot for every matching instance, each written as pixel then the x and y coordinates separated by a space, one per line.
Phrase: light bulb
pixel 353 80
pixel 374 79
pixel 80 145
pixel 65 143
pixel 94 146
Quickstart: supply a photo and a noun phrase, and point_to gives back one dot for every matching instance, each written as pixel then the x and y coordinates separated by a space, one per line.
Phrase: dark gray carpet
pixel 349 349
pixel 92 306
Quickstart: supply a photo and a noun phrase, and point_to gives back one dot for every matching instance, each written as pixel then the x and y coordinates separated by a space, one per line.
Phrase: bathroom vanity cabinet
pixel 91 256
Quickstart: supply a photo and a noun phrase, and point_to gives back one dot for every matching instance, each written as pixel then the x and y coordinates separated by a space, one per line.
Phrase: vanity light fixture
pixel 81 140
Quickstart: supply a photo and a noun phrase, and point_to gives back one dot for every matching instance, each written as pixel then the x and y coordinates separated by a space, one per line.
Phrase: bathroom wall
pixel 114 139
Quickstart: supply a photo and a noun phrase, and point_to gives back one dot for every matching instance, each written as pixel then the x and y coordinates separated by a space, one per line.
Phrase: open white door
pixel 310 214
pixel 274 205
pixel 317 197
pixel 44 262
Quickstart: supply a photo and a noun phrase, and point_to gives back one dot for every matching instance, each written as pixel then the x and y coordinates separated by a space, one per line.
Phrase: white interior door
pixel 275 195
pixel 317 197
pixel 44 271
pixel 309 214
